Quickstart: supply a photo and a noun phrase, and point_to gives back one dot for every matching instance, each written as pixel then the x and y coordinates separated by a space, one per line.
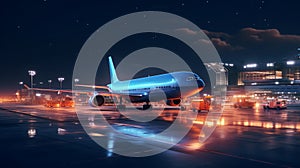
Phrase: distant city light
pixel 38 94
pixel 76 80
pixel 270 64
pixel 276 83
pixel 21 83
pixel 292 82
pixel 228 64
pixel 245 66
pixel 250 66
pixel 290 62
pixel 49 81
pixel 254 83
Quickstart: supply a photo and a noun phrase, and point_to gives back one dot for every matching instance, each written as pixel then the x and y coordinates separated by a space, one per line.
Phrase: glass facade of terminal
pixel 271 78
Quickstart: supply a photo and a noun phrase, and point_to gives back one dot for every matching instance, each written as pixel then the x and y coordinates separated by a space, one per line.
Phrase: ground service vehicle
pixel 275 104
pixel 244 103
pixel 200 105
pixel 60 102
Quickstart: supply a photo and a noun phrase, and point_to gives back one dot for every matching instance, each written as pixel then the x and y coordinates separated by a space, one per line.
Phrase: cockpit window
pixel 190 78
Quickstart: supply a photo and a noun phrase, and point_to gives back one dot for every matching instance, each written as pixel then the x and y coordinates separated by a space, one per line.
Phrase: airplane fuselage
pixel 174 85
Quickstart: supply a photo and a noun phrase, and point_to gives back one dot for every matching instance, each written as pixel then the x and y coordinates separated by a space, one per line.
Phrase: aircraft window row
pixel 162 87
pixel 138 89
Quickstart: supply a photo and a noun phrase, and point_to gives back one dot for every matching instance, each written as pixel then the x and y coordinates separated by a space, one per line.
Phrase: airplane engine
pixel 173 102
pixel 96 100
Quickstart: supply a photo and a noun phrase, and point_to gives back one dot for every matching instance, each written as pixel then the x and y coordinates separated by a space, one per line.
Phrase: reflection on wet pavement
pixel 246 136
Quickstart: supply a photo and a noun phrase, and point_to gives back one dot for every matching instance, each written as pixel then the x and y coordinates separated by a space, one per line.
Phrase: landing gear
pixel 121 106
pixel 182 108
pixel 146 106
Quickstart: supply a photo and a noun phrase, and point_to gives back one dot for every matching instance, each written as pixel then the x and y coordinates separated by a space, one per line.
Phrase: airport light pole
pixel 49 81
pixel 31 73
pixel 60 80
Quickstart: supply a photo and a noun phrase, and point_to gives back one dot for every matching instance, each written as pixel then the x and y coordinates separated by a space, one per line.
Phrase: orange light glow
pixel 298 126
pixel 194 146
pixel 256 123
pixel 277 125
pixel 268 125
pixel 290 126
pixel 221 122
pixel 198 122
pixel 209 123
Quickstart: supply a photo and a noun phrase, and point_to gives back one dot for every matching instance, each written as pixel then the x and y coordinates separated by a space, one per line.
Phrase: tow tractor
pixel 243 101
pixel 200 104
pixel 275 104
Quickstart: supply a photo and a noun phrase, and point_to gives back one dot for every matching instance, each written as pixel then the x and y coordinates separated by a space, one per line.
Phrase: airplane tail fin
pixel 112 71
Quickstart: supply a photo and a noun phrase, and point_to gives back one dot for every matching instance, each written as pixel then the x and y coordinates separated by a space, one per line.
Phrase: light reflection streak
pixel 31 133
pixel 250 123
pixel 110 145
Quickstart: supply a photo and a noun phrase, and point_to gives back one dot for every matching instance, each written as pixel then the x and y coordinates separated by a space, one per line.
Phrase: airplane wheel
pixel 182 108
pixel 146 106
pixel 121 107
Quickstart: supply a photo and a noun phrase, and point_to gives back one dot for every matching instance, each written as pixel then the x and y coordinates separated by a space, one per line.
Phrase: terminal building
pixel 278 79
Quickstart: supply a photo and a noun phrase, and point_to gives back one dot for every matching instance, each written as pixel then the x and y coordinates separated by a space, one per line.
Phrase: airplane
pixel 171 87
pixel 175 85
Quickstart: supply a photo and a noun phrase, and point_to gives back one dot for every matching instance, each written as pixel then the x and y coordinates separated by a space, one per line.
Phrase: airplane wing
pixel 128 93
pixel 93 86
pixel 71 91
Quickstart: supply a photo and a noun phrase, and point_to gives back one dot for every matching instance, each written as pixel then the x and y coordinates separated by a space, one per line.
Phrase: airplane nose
pixel 200 83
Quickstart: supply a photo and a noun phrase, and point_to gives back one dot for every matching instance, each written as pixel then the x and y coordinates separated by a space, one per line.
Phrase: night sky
pixel 47 35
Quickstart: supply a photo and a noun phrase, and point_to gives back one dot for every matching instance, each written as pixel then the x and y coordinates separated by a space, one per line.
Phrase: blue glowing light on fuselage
pixel 170 83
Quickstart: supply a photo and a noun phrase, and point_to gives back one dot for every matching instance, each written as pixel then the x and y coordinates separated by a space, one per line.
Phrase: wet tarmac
pixel 36 136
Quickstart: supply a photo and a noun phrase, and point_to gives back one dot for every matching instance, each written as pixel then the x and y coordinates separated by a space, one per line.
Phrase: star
pixel 236 13
pixel 265 19
pixel 208 22
pixel 182 4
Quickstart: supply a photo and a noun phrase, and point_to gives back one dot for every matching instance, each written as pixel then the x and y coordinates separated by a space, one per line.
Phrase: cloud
pixel 187 31
pixel 268 35
pixel 252 44
pixel 219 42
